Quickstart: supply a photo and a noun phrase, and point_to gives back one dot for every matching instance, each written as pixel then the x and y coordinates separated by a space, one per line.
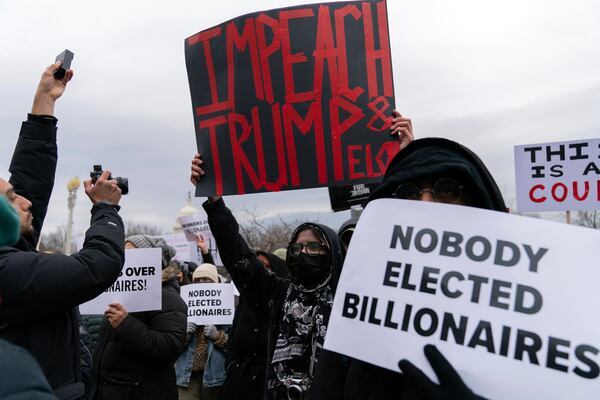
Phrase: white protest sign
pixel 511 301
pixel 209 303
pixel 558 176
pixel 197 224
pixel 185 250
pixel 139 286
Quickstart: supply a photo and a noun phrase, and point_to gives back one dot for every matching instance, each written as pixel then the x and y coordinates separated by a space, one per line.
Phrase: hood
pixel 336 249
pixel 278 266
pixel 432 157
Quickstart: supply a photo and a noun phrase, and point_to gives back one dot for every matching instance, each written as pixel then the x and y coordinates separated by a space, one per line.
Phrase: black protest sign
pixel 344 197
pixel 293 98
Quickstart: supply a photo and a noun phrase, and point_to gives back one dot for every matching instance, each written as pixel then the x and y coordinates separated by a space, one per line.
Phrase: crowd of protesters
pixel 273 349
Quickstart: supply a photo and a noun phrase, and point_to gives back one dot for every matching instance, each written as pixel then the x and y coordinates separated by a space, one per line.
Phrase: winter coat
pixel 135 360
pixel 20 375
pixel 92 324
pixel 349 379
pixel 246 355
pixel 39 292
pixel 264 291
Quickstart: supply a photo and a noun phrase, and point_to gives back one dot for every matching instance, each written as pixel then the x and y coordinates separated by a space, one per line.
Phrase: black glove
pixel 451 386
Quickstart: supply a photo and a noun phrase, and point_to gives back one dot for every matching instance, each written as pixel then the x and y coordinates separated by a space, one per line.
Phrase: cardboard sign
pixel 293 98
pixel 185 250
pixel 209 303
pixel 344 197
pixel 197 224
pixel 558 176
pixel 138 288
pixel 509 300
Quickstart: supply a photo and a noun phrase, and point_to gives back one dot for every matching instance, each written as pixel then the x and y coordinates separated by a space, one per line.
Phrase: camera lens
pixel 295 392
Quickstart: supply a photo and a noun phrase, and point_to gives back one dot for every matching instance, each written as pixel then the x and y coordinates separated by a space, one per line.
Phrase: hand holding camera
pixel 103 189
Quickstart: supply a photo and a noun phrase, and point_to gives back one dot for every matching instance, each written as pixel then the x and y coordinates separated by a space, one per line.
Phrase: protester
pixel 430 169
pixel 273 263
pixel 346 230
pixel 135 353
pixel 201 367
pixel 246 355
pixel 40 292
pixel 297 309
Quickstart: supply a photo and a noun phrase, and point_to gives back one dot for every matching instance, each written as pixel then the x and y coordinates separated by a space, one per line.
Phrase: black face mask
pixel 307 270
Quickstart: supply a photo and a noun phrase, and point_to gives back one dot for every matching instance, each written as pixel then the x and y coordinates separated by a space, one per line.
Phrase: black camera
pixel 122 183
pixel 297 387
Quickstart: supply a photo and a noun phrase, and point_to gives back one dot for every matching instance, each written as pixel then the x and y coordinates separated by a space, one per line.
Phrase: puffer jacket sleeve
pixel 255 283
pixel 32 284
pixel 162 335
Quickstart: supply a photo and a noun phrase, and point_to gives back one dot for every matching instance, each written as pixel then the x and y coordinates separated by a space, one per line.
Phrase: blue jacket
pixel 214 373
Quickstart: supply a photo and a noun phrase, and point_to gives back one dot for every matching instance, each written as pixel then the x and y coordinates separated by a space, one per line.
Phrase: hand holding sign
pixel 115 314
pixel 451 385
pixel 197 171
pixel 402 127
pixel 201 243
pixel 211 332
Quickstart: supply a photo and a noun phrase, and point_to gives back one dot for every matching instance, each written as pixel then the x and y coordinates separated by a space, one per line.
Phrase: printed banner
pixel 197 224
pixel 209 303
pixel 559 176
pixel 345 197
pixel 293 98
pixel 509 300
pixel 138 288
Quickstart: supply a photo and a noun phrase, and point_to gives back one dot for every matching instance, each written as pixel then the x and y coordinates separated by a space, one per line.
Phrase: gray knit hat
pixel 146 241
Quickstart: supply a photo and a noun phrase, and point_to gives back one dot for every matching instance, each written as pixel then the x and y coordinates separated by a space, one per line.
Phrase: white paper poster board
pixel 209 303
pixel 558 176
pixel 197 224
pixel 138 288
pixel 185 250
pixel 511 301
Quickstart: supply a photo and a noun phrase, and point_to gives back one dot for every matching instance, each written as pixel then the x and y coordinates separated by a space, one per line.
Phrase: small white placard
pixel 209 303
pixel 138 288
pixel 558 176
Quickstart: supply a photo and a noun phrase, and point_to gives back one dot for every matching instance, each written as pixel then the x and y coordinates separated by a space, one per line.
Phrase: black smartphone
pixel 66 57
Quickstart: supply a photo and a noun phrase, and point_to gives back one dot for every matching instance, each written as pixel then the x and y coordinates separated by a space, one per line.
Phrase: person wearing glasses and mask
pixel 430 169
pixel 295 310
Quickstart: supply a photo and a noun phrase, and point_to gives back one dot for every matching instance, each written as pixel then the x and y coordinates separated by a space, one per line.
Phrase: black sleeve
pixel 33 283
pixel 163 335
pixel 33 167
pixel 208 258
pixel 255 283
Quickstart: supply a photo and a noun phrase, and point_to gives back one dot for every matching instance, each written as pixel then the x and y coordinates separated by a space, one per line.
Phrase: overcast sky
pixel 489 74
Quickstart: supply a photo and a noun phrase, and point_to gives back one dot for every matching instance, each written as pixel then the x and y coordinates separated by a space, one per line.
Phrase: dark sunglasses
pixel 312 248
pixel 445 190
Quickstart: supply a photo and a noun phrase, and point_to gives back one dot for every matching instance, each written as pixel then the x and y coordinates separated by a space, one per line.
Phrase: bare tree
pixel 139 228
pixel 53 241
pixel 590 218
pixel 267 234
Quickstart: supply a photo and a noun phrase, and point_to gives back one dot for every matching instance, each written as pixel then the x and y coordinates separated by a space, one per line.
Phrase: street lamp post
pixel 72 187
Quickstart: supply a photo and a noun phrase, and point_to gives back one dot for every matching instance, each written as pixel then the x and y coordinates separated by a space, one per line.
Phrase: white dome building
pixel 187 210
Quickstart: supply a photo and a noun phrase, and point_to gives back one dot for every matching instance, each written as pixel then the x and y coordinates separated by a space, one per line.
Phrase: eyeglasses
pixel 312 248
pixel 445 190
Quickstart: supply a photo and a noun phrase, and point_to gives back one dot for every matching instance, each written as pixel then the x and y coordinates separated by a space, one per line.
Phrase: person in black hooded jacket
pixel 136 352
pixel 297 309
pixel 247 347
pixel 430 169
pixel 39 293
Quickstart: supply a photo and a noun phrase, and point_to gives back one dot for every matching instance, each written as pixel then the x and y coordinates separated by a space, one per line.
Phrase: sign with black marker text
pixel 138 288
pixel 209 303
pixel 197 224
pixel 558 176
pixel 509 300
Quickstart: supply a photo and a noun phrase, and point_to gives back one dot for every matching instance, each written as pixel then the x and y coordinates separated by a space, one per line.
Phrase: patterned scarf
pixel 301 334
